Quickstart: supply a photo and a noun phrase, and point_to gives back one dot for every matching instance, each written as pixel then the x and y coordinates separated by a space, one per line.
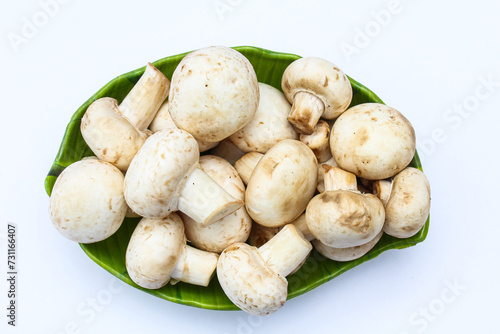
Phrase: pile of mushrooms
pixel 274 180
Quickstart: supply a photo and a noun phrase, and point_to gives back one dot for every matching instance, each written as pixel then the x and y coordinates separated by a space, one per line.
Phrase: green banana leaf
pixel 110 253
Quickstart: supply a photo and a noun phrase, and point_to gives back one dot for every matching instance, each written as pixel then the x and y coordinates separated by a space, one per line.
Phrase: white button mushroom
pixel 254 279
pixel 157 252
pixel 373 141
pixel 232 228
pixel 269 124
pixel 115 133
pixel 163 121
pixel 316 88
pixel 214 93
pixel 165 177
pixel 342 217
pixel 282 184
pixel 407 201
pixel 87 203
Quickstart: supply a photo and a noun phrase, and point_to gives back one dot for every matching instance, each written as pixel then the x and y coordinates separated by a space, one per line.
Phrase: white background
pixel 428 59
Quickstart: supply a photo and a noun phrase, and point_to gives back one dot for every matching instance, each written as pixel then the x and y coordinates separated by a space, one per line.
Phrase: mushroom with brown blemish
pixel 407 201
pixel 373 141
pixel 341 216
pixel 232 228
pixel 214 93
pixel 116 132
pixel 316 88
pixel 282 184
pixel 87 203
pixel 157 252
pixel 269 125
pixel 254 278
pixel 165 177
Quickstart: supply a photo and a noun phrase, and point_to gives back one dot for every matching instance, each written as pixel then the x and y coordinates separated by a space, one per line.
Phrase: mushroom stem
pixel 306 111
pixel 285 251
pixel 195 266
pixel 246 164
pixel 319 141
pixel 382 189
pixel 144 100
pixel 338 179
pixel 202 199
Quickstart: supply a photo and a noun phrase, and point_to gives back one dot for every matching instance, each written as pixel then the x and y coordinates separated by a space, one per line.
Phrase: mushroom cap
pixel 157 173
pixel 109 135
pixel 269 124
pixel 348 253
pixel 409 204
pixel 163 121
pixel 214 93
pixel 87 203
pixel 234 227
pixel 154 250
pixel 373 141
pixel 320 78
pixel 248 282
pixel 282 184
pixel 344 218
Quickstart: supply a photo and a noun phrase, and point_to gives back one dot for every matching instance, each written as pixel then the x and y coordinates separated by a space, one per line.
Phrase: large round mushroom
pixel 214 93
pixel 373 141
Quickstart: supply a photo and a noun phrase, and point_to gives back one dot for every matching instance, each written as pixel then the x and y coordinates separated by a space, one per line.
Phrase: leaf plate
pixel 110 253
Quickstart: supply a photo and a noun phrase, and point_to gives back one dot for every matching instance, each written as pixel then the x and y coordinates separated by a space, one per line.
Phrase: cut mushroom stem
pixel 195 266
pixel 203 200
pixel 382 189
pixel 319 141
pixel 285 251
pixel 338 179
pixel 306 112
pixel 142 103
pixel 246 164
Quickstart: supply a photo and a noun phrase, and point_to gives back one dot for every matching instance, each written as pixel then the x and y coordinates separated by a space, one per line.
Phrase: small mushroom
pixel 214 93
pixel 319 141
pixel 87 203
pixel 227 151
pixel 373 141
pixel 341 216
pixel 157 252
pixel 348 253
pixel 163 121
pixel 316 88
pixel 407 201
pixel 269 124
pixel 281 184
pixel 165 177
pixel 232 228
pixel 254 279
pixel 115 133
pixel 246 164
